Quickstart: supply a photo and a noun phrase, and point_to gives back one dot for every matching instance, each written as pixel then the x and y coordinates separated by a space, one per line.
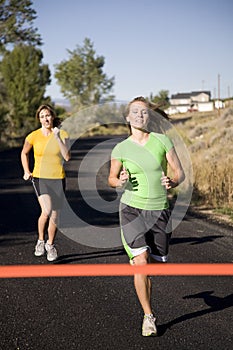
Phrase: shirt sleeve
pixel 168 144
pixel 64 135
pixel 30 138
pixel 165 141
pixel 116 153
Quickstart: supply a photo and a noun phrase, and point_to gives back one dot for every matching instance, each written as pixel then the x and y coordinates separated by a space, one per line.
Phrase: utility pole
pixel 219 95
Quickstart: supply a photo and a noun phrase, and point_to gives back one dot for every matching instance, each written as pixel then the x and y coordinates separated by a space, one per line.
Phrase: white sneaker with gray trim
pixel 39 248
pixel 149 326
pixel 51 252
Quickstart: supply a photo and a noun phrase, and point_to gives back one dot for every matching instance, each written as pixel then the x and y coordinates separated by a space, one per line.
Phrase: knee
pixel 44 215
pixel 54 217
pixel 141 259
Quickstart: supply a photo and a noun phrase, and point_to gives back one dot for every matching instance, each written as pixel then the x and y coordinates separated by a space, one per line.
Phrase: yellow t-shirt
pixel 48 161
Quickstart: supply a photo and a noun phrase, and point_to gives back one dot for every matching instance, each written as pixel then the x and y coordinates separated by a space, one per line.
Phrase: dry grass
pixel 208 137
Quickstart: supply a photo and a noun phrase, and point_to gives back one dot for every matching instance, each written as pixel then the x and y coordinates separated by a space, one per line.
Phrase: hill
pixel 208 137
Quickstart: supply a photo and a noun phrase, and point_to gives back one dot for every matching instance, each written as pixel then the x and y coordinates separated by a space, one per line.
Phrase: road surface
pixel 88 313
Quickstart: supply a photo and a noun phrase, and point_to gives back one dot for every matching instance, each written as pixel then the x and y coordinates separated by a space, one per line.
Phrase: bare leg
pixel 45 204
pixel 143 284
pixel 42 222
pixel 52 229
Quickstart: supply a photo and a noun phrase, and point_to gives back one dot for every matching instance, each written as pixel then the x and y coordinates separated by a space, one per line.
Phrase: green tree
pixel 3 120
pixel 162 99
pixel 82 79
pixel 16 23
pixel 25 79
pixel 3 110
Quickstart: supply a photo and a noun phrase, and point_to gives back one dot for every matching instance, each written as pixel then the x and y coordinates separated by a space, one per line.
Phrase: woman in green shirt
pixel 139 166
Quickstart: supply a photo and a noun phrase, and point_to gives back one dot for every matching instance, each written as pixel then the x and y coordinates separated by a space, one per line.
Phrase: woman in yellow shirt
pixel 51 147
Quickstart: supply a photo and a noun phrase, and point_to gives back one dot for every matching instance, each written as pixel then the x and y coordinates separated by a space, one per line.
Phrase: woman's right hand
pixel 27 176
pixel 124 176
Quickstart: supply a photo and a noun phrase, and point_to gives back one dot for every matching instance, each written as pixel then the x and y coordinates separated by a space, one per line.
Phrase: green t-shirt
pixel 144 165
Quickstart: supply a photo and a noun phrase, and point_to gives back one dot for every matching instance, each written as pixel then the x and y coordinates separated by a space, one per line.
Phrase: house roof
pixel 184 95
pixel 181 95
pixel 195 93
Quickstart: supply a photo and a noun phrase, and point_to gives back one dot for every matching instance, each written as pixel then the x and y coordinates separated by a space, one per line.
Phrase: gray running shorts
pixel 145 230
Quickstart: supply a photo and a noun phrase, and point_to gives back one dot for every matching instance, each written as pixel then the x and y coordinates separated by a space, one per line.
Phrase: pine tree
pixel 82 79
pixel 25 79
pixel 16 24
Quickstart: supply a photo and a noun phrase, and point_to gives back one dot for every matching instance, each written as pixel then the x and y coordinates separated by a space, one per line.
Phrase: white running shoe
pixel 51 252
pixel 149 326
pixel 39 248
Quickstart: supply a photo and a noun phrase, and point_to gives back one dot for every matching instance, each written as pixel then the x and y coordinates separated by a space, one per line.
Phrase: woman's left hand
pixel 166 181
pixel 56 132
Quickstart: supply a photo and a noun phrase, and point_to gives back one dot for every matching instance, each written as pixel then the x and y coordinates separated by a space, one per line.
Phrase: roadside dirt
pixel 211 215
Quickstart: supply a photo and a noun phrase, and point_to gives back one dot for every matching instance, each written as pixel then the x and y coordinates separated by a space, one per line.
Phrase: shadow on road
pixel 194 240
pixel 66 259
pixel 216 304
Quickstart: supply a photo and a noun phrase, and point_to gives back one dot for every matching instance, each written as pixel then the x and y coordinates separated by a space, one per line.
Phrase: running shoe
pixel 39 248
pixel 51 252
pixel 149 326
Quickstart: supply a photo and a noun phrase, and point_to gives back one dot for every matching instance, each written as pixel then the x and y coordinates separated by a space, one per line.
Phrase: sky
pixel 148 45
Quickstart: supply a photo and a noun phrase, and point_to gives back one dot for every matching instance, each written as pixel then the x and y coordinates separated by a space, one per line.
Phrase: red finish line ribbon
pixel 73 270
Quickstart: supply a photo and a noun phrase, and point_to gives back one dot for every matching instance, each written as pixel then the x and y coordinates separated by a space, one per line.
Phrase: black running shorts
pixel 55 188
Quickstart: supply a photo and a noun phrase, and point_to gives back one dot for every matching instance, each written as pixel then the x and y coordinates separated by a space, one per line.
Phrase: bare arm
pixel 118 176
pixel 177 170
pixel 25 159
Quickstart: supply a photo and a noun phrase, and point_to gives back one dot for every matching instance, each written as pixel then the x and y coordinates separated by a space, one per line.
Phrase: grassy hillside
pixel 209 138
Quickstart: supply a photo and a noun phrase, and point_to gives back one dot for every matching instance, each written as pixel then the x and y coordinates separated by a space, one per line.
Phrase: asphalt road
pixel 89 313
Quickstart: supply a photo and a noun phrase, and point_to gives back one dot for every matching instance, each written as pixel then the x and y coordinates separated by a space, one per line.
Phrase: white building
pixel 193 101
